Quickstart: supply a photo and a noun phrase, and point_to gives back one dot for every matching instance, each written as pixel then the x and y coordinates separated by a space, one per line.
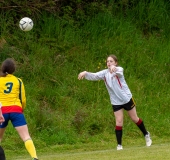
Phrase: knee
pixel 119 122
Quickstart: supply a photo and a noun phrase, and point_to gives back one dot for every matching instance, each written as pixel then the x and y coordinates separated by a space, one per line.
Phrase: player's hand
pixel 1 116
pixel 81 75
pixel 2 119
pixel 112 69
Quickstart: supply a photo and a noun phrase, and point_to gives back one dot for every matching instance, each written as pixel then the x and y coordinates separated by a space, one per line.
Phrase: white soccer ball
pixel 26 24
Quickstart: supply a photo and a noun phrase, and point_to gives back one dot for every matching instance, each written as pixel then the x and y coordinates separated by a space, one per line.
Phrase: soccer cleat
pixel 148 140
pixel 34 159
pixel 119 147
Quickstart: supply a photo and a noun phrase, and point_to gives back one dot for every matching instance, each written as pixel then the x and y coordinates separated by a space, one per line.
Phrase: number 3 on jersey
pixel 9 87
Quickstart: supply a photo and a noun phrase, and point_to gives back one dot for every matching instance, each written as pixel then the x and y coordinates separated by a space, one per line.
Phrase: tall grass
pixel 61 109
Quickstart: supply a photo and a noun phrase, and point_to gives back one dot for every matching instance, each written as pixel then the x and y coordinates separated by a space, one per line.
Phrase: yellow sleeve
pixel 23 96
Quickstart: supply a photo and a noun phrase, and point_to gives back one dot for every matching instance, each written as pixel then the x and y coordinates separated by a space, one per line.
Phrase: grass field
pixel 157 151
pixel 70 119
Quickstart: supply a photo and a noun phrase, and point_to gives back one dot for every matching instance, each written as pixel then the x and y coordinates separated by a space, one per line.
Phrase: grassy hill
pixel 61 109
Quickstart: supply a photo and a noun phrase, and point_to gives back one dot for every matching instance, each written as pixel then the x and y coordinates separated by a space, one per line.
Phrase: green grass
pixel 102 151
pixel 63 111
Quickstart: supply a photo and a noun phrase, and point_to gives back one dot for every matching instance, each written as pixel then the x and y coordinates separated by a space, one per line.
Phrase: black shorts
pixel 128 106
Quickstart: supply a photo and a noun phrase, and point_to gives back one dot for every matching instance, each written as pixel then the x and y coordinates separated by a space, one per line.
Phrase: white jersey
pixel 116 85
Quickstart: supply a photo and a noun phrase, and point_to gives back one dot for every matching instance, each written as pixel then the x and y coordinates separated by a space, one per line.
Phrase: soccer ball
pixel 26 24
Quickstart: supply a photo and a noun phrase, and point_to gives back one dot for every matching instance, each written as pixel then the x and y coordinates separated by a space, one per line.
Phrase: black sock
pixel 2 154
pixel 141 126
pixel 119 133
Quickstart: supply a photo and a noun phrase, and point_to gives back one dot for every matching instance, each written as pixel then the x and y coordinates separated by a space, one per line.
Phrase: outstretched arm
pixel 92 76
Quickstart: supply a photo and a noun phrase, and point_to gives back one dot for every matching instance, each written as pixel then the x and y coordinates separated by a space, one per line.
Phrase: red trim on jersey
pixel 105 80
pixel 119 128
pixel 11 109
pixel 119 81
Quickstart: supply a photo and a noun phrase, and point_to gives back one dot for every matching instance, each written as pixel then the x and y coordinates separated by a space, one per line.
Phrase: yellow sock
pixel 30 148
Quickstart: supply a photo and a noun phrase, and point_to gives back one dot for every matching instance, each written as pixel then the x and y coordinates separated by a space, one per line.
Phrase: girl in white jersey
pixel 120 97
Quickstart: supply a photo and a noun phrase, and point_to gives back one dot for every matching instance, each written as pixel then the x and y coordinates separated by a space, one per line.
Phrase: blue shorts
pixel 17 119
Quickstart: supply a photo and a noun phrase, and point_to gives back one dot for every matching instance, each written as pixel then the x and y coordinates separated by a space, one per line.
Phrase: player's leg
pixel 118 129
pixel 2 153
pixel 133 115
pixel 2 131
pixel 19 122
pixel 131 109
pixel 24 134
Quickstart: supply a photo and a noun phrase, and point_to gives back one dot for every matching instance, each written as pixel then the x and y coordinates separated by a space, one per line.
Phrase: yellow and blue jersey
pixel 12 94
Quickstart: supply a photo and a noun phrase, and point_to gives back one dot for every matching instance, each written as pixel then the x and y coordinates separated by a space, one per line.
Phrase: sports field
pixel 155 152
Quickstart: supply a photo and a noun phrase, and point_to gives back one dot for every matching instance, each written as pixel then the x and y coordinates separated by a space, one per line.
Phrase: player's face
pixel 110 62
